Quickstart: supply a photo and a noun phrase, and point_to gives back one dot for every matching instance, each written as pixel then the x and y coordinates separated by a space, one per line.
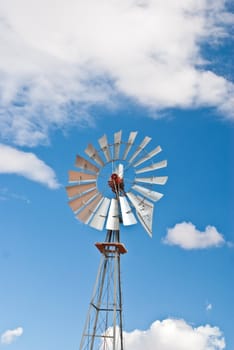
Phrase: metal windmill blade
pixel 148 156
pixel 152 167
pixel 86 165
pixel 129 144
pixel 87 212
pixel 81 201
pixel 158 180
pixel 99 217
pixel 140 148
pixel 105 147
pixel 146 192
pixel 79 177
pixel 144 211
pixel 93 154
pixel 117 143
pixel 127 215
pixel 113 216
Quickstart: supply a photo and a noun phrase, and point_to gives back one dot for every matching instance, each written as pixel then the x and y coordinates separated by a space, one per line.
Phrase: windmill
pixel 106 194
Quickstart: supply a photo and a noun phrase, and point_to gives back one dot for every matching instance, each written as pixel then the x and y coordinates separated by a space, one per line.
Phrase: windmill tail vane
pixel 101 195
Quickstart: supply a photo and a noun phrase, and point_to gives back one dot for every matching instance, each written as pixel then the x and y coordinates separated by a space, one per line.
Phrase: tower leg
pixel 103 327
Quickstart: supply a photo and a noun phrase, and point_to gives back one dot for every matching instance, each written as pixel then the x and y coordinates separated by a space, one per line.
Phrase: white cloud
pixel 175 334
pixel 13 161
pixel 186 236
pixel 10 335
pixel 58 57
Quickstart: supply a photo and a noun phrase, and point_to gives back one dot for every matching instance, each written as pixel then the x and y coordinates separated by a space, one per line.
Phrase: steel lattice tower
pixel 103 327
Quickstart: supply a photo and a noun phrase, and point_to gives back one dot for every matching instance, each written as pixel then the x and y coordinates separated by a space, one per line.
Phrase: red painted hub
pixel 116 183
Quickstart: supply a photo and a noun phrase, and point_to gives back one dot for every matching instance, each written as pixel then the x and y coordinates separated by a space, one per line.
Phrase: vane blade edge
pixel 153 195
pixel 76 190
pixel 93 154
pixel 86 165
pixel 145 142
pixel 78 176
pixel 87 212
pixel 117 143
pixel 149 155
pixel 157 180
pixel 159 165
pixel 129 144
pixel 99 217
pixel 112 222
pixel 144 211
pixel 81 201
pixel 103 142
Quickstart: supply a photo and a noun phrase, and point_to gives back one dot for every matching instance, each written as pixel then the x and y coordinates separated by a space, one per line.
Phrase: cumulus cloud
pixel 10 335
pixel 186 236
pixel 59 57
pixel 175 334
pixel 13 161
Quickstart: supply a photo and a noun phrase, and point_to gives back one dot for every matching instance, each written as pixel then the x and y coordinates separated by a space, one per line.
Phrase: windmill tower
pixel 105 194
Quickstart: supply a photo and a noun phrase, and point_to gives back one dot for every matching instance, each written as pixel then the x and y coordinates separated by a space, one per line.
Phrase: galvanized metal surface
pixel 157 180
pixel 117 143
pixel 85 164
pixel 130 142
pixel 113 216
pixel 153 195
pixel 100 210
pixel 146 140
pixel 99 217
pixel 93 154
pixel 148 156
pixel 105 147
pixel 152 167
pixel 78 176
pixel 144 211
pixel 87 211
pixel 79 202
pixel 76 190
pixel 128 217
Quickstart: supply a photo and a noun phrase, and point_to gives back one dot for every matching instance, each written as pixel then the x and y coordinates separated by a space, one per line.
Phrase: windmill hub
pixel 116 178
pixel 116 183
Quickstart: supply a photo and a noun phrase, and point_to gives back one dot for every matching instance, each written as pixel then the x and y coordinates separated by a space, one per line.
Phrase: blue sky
pixel 70 74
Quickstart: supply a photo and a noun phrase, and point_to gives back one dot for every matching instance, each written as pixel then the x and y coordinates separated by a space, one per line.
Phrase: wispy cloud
pixel 187 236
pixel 10 335
pixel 27 164
pixel 6 194
pixel 175 334
pixel 57 59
